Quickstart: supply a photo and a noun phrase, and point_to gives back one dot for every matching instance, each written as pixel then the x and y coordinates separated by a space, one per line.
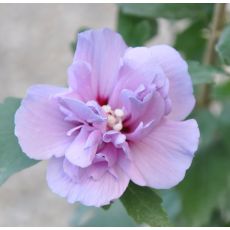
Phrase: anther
pixel 118 127
pixel 119 113
pixel 107 108
pixel 114 117
pixel 111 120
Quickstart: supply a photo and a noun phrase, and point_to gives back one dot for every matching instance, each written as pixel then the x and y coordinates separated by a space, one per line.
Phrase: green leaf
pixel 116 216
pixel 221 91
pixel 191 42
pixel 12 159
pixel 223 46
pixel 106 207
pixel 171 202
pixel 204 184
pixel 144 205
pixel 208 125
pixel 202 74
pixel 224 204
pixel 169 11
pixel 135 30
pixel 217 220
pixel 224 117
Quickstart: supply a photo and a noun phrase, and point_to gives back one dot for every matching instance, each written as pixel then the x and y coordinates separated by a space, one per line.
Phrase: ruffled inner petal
pixel 150 106
pixel 83 149
pixel 79 111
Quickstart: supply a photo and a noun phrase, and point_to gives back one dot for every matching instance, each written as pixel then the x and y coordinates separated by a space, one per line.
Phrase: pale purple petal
pixel 79 80
pixel 75 173
pixel 40 125
pixel 58 181
pixel 102 50
pixel 89 192
pixel 131 170
pixel 180 84
pixel 97 170
pixel 83 149
pixel 163 156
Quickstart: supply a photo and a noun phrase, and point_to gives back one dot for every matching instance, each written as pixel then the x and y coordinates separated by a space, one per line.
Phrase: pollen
pixel 114 117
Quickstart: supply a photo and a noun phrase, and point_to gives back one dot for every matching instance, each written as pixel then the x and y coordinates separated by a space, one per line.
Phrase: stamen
pixel 114 117
pixel 107 108
pixel 119 112
pixel 111 120
pixel 118 127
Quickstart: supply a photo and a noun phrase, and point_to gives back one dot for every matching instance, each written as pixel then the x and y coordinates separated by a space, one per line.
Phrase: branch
pixel 210 54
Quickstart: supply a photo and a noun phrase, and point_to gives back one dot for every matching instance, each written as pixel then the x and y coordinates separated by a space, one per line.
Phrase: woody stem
pixel 210 54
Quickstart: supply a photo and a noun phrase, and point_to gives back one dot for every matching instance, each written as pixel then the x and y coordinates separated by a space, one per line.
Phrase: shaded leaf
pixel 204 184
pixel 223 46
pixel 225 118
pixel 217 220
pixel 106 207
pixel 224 204
pixel 12 159
pixel 191 42
pixel 202 74
pixel 135 30
pixel 221 91
pixel 171 203
pixel 208 125
pixel 144 205
pixel 116 216
pixel 169 11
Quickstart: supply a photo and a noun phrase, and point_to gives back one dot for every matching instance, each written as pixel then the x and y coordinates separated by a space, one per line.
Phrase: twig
pixel 210 54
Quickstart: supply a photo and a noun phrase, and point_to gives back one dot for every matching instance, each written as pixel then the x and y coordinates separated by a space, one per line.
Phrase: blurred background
pixel 35 48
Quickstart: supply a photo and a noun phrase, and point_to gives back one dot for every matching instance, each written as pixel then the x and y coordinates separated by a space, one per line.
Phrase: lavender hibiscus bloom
pixel 121 119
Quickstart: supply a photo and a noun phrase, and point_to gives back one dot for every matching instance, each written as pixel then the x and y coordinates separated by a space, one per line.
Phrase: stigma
pixel 114 117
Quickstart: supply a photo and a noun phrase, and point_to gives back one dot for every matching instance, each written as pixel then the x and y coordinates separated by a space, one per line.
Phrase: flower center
pixel 114 117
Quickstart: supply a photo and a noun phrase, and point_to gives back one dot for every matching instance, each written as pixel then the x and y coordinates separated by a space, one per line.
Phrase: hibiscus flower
pixel 120 119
